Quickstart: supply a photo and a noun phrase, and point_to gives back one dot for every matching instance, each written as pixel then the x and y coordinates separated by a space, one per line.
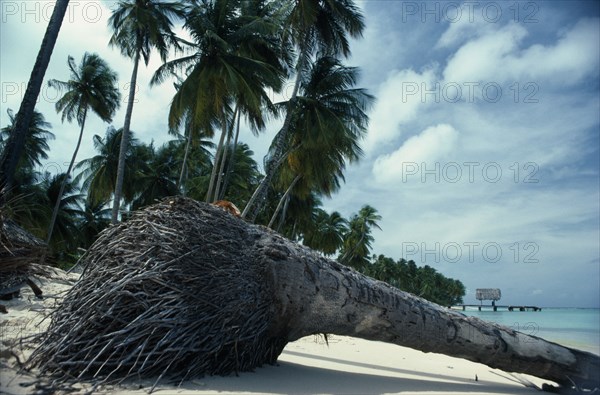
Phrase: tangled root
pixel 168 293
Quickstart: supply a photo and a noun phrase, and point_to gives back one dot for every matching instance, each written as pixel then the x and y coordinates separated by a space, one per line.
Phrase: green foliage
pixel 245 175
pixel 157 176
pixel 358 240
pixel 99 173
pixel 234 59
pixel 328 124
pixel 143 25
pixel 327 232
pixel 65 236
pixel 422 281
pixel 92 86
pixel 36 140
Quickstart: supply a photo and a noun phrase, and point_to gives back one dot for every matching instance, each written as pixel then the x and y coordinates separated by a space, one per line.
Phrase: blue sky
pixel 483 148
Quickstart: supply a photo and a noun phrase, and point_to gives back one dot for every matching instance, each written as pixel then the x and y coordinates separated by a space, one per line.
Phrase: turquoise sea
pixel 572 327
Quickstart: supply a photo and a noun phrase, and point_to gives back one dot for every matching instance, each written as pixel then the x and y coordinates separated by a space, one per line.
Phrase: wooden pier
pixel 487 307
pixel 493 294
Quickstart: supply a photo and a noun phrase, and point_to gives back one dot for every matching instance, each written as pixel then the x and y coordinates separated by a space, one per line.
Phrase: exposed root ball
pixel 160 296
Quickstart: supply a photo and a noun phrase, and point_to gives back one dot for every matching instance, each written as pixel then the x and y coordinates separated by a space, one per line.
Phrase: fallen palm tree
pixel 184 289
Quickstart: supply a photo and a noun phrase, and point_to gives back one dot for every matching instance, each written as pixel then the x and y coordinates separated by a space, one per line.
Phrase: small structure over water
pixel 494 294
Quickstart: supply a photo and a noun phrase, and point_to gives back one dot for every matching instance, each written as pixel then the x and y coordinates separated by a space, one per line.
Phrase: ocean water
pixel 572 327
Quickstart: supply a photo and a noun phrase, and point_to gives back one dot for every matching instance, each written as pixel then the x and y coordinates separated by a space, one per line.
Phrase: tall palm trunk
pixel 283 199
pixel 183 165
pixel 283 215
pixel 213 174
pixel 62 186
pixel 231 163
pixel 125 137
pixel 345 259
pixel 255 205
pixel 218 166
pixel 16 142
pixel 222 165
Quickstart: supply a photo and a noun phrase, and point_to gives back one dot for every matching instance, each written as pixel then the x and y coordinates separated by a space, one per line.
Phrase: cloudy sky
pixel 483 148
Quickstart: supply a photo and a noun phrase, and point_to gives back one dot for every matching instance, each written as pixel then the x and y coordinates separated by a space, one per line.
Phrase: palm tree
pixel 28 205
pixel 93 86
pixel 63 193
pixel 196 159
pixel 158 179
pixel 327 235
pixel 357 243
pixel 244 175
pixel 228 72
pixel 258 10
pixel 99 173
pixel 13 149
pixel 94 218
pixel 189 137
pixel 138 27
pixel 325 131
pixel 36 141
pixel 313 26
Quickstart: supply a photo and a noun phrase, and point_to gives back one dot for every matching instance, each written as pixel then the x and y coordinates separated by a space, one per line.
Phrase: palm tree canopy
pixel 327 235
pixel 358 240
pixel 324 25
pixel 95 217
pixel 140 25
pixel 328 124
pixel 235 57
pixel 245 175
pixel 93 85
pixel 99 172
pixel 36 141
pixel 29 206
pixel 158 178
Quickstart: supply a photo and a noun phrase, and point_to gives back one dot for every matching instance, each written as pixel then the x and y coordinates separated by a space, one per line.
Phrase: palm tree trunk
pixel 349 253
pixel 231 163
pixel 213 174
pixel 125 138
pixel 62 187
pixel 14 146
pixel 283 215
pixel 183 165
pixel 279 147
pixel 283 199
pixel 258 191
pixel 317 295
pixel 222 165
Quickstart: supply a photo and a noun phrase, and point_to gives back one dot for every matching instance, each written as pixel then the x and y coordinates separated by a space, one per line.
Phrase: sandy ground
pixel 307 366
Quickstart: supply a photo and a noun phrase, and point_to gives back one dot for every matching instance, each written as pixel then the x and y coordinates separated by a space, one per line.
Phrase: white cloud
pixel 480 59
pixel 497 56
pixel 463 29
pixel 431 145
pixel 398 102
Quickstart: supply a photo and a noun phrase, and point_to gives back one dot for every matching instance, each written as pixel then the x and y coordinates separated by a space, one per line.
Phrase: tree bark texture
pixel 228 296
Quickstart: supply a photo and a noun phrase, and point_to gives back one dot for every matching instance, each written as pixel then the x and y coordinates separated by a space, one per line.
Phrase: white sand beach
pixel 307 366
